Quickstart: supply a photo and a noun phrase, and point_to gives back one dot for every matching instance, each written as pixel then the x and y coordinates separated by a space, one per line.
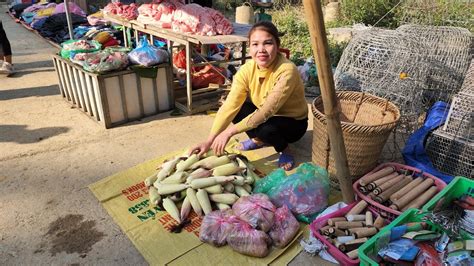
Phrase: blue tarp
pixel 414 152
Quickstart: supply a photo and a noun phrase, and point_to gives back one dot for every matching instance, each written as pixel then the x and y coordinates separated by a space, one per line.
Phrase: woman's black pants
pixel 277 131
pixel 5 44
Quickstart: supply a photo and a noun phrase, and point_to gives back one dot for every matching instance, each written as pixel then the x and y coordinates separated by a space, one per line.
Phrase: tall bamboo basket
pixel 366 122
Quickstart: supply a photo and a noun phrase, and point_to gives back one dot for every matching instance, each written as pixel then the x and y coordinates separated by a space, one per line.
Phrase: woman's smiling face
pixel 263 48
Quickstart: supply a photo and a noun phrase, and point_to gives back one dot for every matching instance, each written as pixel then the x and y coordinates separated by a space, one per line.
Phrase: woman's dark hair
pixel 268 27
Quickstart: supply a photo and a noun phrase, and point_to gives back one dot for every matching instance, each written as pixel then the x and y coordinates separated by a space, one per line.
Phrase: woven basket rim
pixel 322 117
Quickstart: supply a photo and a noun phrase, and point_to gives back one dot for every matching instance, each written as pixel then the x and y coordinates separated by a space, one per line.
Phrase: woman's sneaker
pixel 7 69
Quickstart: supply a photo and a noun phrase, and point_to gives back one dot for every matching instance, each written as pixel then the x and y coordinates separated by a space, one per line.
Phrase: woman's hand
pixel 201 148
pixel 219 143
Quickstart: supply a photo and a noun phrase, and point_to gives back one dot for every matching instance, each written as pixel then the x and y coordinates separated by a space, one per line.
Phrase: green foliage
pixel 290 21
pixel 369 12
pixel 457 13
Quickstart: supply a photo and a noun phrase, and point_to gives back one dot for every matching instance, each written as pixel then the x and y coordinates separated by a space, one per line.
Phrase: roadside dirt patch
pixel 72 235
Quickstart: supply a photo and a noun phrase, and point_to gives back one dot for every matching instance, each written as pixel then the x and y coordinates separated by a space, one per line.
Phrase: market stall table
pixel 196 100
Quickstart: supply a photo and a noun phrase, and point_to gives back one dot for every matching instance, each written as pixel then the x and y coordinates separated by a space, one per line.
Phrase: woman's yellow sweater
pixel 276 91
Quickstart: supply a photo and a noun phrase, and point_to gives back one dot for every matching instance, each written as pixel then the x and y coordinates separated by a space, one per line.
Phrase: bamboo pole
pixel 314 18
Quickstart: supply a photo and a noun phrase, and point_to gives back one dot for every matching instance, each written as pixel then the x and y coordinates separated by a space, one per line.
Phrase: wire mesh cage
pixel 451 155
pixel 412 66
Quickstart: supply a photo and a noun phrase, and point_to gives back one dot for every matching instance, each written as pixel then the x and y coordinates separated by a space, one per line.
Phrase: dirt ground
pixel 50 152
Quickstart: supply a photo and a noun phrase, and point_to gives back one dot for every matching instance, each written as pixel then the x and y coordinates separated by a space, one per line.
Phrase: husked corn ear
pixel 191 195
pixel 150 180
pixel 222 206
pixel 204 201
pixel 166 189
pixel 226 198
pixel 247 187
pixel 221 160
pixel 241 163
pixel 201 162
pixel 200 173
pixel 155 198
pixel 229 187
pixel 171 208
pixel 186 164
pixel 216 189
pixel 210 181
pixel 239 180
pixel 240 191
pixel 226 169
pixel 167 168
pixel 176 178
pixel 185 209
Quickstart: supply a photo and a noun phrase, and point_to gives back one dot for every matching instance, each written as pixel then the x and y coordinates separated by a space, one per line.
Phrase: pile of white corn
pixel 200 183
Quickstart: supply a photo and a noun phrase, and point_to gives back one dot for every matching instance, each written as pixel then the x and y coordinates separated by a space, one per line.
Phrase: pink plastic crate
pixel 380 209
pixel 333 250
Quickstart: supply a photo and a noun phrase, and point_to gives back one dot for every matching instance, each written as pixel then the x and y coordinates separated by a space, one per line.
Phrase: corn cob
pixel 171 208
pixel 226 169
pixel 222 206
pixel 198 173
pixel 166 189
pixel 247 187
pixel 191 194
pixel 155 198
pixel 150 180
pixel 167 168
pixel 216 189
pixel 226 198
pixel 186 164
pixel 240 191
pixel 185 209
pixel 229 187
pixel 239 180
pixel 201 162
pixel 210 181
pixel 203 199
pixel 221 160
pixel 176 178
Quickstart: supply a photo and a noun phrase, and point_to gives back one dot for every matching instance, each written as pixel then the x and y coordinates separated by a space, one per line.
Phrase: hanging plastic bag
pixel 216 226
pixel 257 210
pixel 147 55
pixel 179 59
pixel 248 241
pixel 284 228
pixel 304 192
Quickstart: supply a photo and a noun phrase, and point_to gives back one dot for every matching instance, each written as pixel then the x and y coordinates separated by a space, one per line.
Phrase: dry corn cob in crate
pixel 202 184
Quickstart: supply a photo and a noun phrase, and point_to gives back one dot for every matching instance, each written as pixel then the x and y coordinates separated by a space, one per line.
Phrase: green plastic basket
pixel 459 186
pixel 368 251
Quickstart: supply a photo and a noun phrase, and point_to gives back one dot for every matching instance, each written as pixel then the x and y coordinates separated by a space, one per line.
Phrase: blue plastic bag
pixel 147 55
pixel 414 152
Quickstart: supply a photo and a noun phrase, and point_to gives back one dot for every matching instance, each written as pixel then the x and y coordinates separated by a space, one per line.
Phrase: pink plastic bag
pixel 248 241
pixel 284 228
pixel 216 226
pixel 257 210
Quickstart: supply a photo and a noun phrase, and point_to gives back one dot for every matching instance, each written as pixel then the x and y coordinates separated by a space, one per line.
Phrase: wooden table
pixel 197 100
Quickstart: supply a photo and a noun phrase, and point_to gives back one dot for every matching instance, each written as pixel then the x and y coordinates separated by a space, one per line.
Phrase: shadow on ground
pixel 21 73
pixel 29 92
pixel 20 134
pixel 35 64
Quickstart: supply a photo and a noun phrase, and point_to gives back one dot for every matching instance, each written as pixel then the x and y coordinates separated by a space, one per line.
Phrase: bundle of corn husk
pixel 200 183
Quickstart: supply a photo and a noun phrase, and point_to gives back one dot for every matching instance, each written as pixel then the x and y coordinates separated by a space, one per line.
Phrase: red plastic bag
pixel 179 59
pixel 216 226
pixel 207 75
pixel 248 241
pixel 257 210
pixel 284 228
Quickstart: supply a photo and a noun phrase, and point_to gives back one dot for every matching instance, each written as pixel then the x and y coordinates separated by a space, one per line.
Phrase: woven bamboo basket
pixel 366 122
